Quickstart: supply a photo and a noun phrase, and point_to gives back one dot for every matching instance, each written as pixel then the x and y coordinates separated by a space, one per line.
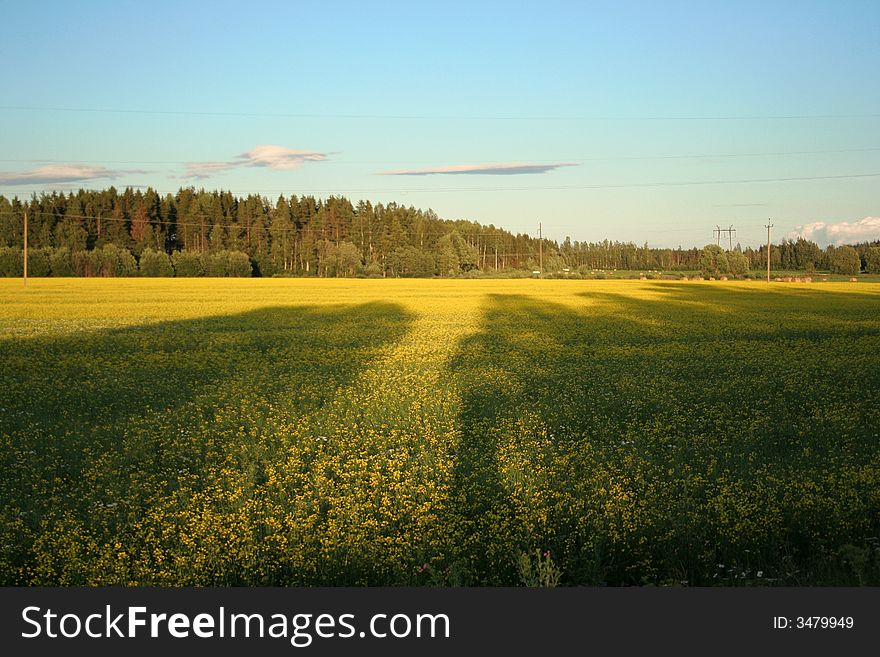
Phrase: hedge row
pixel 114 261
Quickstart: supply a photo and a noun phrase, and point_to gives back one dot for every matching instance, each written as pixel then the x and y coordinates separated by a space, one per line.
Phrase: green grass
pixel 299 432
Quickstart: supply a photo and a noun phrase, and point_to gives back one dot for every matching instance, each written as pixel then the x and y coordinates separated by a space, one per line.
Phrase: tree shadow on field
pixel 650 440
pixel 509 373
pixel 97 426
pixel 705 311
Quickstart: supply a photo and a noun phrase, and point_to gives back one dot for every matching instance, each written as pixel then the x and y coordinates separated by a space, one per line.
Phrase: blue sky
pixel 593 118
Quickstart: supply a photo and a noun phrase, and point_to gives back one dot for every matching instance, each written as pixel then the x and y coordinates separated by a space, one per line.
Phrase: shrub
pixel 872 260
pixel 155 263
pixel 107 261
pixel 61 262
pixel 38 262
pixel 263 265
pixel 537 569
pixel 215 264
pixel 410 261
pixel 239 265
pixel 187 264
pixel 713 261
pixel 81 262
pixel 738 262
pixel 117 262
pixel 845 260
pixel 11 262
pixel 373 270
pixel 227 263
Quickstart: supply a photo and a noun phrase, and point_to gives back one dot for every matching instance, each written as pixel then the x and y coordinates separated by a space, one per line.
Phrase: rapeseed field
pixel 438 432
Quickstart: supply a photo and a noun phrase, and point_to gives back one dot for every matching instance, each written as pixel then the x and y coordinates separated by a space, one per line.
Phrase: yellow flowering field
pixel 438 432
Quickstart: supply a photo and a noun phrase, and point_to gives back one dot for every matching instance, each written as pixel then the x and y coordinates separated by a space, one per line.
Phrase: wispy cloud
pixel 207 169
pixel 741 205
pixel 59 173
pixel 265 155
pixel 842 232
pixel 490 169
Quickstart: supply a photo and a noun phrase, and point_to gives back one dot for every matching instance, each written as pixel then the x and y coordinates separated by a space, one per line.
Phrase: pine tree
pixel 281 232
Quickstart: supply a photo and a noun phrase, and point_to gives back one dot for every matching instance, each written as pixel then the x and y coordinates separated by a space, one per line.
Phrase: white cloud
pixel 265 155
pixel 490 169
pixel 279 157
pixel 57 173
pixel 842 232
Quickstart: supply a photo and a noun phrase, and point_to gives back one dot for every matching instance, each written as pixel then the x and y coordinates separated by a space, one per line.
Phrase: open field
pixel 287 432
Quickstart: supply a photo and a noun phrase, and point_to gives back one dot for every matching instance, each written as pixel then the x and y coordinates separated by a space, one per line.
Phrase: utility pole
pixel 730 233
pixel 717 233
pixel 25 245
pixel 769 226
pixel 540 249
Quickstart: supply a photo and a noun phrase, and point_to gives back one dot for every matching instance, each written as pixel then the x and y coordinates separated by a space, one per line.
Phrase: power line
pixel 628 185
pixel 731 233
pixel 515 234
pixel 507 235
pixel 440 117
pixel 430 190
pixel 604 158
pixel 209 223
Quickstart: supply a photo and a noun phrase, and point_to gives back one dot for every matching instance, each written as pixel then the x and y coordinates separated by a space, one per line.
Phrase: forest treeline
pixel 214 233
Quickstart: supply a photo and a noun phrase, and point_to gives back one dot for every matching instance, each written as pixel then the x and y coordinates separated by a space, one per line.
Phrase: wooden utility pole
pixel 25 245
pixel 769 226
pixel 540 249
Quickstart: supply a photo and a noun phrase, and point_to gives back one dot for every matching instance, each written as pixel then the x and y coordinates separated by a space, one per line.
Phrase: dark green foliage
pixel 71 234
pixel 111 261
pixel 455 255
pixel 282 232
pixel 845 260
pixel 215 264
pixel 343 259
pixel 263 265
pixel 713 261
pixel 238 264
pixel 412 261
pixel 737 263
pixel 82 263
pixel 38 262
pixel 374 270
pixel 227 263
pixel 11 262
pixel 155 263
pixel 305 236
pixel 187 264
pixel 11 223
pixel 60 262
pixel 872 260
